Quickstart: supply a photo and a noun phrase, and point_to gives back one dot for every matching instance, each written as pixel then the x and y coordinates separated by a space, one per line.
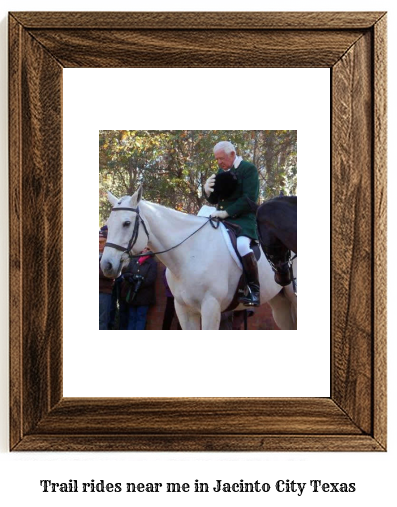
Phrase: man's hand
pixel 220 214
pixel 209 185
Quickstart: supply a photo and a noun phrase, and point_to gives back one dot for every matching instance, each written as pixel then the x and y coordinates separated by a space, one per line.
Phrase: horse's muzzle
pixel 109 269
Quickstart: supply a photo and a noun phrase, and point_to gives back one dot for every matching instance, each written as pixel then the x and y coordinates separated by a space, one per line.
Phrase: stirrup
pixel 251 299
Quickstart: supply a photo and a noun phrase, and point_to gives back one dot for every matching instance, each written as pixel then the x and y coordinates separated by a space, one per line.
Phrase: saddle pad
pixel 206 211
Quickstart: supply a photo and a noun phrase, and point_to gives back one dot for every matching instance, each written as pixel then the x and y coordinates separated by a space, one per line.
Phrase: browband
pixel 126 209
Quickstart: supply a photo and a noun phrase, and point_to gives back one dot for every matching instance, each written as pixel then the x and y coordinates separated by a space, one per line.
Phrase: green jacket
pixel 237 205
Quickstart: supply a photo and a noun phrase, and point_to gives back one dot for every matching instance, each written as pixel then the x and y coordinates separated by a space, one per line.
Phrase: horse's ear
pixel 135 199
pixel 140 192
pixel 112 199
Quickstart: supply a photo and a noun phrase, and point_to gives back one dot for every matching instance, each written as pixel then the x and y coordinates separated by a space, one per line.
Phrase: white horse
pixel 201 273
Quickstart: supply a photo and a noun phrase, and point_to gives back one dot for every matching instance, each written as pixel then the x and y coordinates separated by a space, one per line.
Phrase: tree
pixel 174 164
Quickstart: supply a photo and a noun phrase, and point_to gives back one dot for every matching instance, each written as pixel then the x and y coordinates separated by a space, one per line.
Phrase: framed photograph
pixel 171 167
pixel 353 47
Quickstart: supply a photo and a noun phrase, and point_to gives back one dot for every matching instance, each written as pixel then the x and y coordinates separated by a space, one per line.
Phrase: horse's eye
pixel 126 224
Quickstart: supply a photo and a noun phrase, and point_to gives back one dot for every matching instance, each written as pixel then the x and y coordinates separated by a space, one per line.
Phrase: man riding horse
pixel 233 205
pixel 235 189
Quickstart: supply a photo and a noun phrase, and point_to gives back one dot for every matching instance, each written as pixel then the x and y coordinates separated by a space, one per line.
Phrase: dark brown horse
pixel 277 228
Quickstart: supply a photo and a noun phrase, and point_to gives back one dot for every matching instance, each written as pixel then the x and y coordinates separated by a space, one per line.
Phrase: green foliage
pixel 174 164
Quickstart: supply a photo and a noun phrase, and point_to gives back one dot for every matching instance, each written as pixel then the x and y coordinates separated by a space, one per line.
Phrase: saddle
pixel 232 230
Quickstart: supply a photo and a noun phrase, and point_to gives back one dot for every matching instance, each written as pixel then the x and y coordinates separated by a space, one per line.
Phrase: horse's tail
pixel 254 207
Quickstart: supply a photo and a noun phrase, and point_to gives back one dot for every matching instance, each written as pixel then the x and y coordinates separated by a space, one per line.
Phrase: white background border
pixel 158 363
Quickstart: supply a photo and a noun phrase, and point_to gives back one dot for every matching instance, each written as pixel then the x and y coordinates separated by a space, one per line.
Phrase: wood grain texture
pixel 352 232
pixel 202 20
pixel 353 45
pixel 41 233
pixel 199 443
pixel 196 48
pixel 380 229
pixel 36 206
pixel 238 416
pixel 15 230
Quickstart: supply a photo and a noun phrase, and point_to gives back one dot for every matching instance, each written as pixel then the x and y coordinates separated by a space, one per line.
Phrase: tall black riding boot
pixel 250 267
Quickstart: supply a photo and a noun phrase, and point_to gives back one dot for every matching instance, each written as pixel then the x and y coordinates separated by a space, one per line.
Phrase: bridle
pixel 139 220
pixel 135 232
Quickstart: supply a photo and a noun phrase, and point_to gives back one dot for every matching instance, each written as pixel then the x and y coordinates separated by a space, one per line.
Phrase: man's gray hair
pixel 225 146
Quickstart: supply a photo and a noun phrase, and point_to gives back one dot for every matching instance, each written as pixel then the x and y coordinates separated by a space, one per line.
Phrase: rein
pixel 138 220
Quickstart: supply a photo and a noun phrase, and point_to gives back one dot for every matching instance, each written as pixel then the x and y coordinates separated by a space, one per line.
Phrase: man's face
pixel 102 242
pixel 225 161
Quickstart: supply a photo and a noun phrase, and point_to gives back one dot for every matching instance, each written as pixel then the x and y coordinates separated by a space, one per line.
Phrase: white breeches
pixel 243 245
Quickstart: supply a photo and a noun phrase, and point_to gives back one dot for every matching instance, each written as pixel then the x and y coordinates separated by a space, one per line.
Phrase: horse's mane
pixel 166 208
pixel 150 203
pixel 292 199
pixel 156 205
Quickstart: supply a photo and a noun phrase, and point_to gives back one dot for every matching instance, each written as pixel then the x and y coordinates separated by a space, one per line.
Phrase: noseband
pixel 134 237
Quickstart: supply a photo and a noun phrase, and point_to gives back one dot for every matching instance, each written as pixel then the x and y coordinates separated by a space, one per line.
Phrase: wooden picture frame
pixel 353 46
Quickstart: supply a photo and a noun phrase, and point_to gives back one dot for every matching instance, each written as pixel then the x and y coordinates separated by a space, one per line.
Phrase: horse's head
pixel 127 233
